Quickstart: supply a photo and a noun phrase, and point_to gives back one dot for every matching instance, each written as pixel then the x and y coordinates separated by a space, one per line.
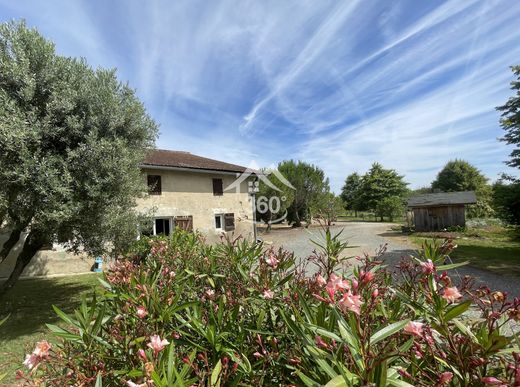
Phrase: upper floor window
pixel 218 189
pixel 154 184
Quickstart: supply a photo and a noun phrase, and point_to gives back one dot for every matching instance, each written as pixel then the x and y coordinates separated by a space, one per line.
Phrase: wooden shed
pixel 438 211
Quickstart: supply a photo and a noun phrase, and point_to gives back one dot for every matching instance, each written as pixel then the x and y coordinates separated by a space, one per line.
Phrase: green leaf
pixel 338 381
pixel 457 310
pixel 398 383
pixel 99 382
pixel 388 331
pixel 215 375
pixel 452 266
pixel 308 381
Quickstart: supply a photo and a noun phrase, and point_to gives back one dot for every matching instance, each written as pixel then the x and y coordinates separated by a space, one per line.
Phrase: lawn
pixel 29 305
pixel 494 248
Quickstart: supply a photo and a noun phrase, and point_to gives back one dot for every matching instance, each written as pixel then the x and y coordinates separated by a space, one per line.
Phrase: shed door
pixel 184 222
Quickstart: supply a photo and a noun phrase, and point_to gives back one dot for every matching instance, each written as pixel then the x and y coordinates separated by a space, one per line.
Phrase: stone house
pixel 197 193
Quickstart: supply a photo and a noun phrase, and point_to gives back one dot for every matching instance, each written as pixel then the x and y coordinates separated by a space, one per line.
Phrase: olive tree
pixel 71 141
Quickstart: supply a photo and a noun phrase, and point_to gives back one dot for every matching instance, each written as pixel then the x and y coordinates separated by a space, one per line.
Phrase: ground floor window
pixel 162 226
pixel 219 221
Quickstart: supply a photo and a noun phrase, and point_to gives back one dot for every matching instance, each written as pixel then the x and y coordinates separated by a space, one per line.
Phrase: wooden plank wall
pixel 438 218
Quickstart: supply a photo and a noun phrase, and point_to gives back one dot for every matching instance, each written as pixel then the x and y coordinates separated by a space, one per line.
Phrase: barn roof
pixel 442 199
pixel 186 160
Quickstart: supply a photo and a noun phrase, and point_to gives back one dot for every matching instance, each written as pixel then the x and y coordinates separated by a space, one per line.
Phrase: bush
pixel 390 207
pixel 181 312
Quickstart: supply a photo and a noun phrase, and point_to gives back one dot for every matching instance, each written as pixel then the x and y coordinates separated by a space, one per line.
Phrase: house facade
pixel 196 193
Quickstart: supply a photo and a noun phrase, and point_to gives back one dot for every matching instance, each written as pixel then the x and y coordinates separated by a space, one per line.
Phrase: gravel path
pixel 368 238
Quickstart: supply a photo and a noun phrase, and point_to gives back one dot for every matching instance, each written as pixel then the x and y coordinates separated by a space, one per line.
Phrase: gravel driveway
pixel 368 238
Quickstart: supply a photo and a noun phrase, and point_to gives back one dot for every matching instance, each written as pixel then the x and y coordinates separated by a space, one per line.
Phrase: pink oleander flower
pixel 445 377
pixel 258 355
pixel 42 348
pixel 320 280
pixel 350 302
pixel 414 328
pixel 210 293
pixel 451 294
pixel 40 352
pixel 272 261
pixel 320 343
pixel 366 277
pixel 491 380
pixel 428 267
pixel 141 312
pixel 268 294
pixel 31 361
pixel 336 283
pixel 157 344
pixel 142 355
pixel 132 384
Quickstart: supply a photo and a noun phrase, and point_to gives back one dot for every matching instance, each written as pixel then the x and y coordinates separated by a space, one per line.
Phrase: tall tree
pixel 380 183
pixel 310 186
pixel 71 141
pixel 510 120
pixel 459 175
pixel 350 193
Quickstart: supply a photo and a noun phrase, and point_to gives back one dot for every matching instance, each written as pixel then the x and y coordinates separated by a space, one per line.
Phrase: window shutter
pixel 218 189
pixel 154 184
pixel 229 222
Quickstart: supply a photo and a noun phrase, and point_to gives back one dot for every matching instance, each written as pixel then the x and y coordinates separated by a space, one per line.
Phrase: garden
pixel 177 311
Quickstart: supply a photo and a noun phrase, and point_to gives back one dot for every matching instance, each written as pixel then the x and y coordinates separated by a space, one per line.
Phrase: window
pixel 154 184
pixel 229 222
pixel 219 221
pixel 162 226
pixel 218 187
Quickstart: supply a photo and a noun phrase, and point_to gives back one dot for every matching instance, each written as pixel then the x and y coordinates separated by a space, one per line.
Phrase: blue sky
pixel 341 84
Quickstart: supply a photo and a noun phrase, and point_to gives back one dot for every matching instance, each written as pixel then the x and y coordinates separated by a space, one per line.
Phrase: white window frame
pixel 222 226
pixel 170 220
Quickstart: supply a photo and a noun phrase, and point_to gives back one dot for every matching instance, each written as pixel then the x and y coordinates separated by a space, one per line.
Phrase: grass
pixel 494 248
pixel 363 216
pixel 29 306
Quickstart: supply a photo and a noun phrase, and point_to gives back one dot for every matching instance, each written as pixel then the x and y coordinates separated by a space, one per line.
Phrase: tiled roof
pixel 442 199
pixel 179 159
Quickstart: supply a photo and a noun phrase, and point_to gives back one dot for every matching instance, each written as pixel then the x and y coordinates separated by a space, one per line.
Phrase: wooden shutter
pixel 229 222
pixel 218 189
pixel 184 222
pixel 154 184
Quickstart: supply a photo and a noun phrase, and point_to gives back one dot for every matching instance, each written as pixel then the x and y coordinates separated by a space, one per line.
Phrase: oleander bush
pixel 180 312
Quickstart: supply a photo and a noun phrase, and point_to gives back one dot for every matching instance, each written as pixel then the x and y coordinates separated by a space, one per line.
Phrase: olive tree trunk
pixel 33 243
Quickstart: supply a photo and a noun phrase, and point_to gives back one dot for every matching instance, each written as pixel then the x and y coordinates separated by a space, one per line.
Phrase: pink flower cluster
pixel 349 300
pixel 40 352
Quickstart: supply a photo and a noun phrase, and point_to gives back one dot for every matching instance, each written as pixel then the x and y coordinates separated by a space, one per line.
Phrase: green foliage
pixel 380 183
pixel 351 194
pixel 510 120
pixel 282 196
pixel 391 207
pixel 185 313
pixel 72 139
pixel 459 175
pixel 506 201
pixel 328 207
pixel 310 185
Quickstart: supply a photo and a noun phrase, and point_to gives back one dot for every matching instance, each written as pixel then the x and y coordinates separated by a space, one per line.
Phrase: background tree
pixel 380 183
pixel 272 204
pixel 328 207
pixel 506 200
pixel 459 175
pixel 391 207
pixel 350 193
pixel 510 120
pixel 71 141
pixel 310 186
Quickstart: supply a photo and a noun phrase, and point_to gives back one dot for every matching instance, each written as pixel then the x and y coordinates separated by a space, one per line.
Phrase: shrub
pixel 180 312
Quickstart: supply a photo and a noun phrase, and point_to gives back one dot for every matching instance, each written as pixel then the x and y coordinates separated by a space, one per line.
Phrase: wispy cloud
pixel 340 84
